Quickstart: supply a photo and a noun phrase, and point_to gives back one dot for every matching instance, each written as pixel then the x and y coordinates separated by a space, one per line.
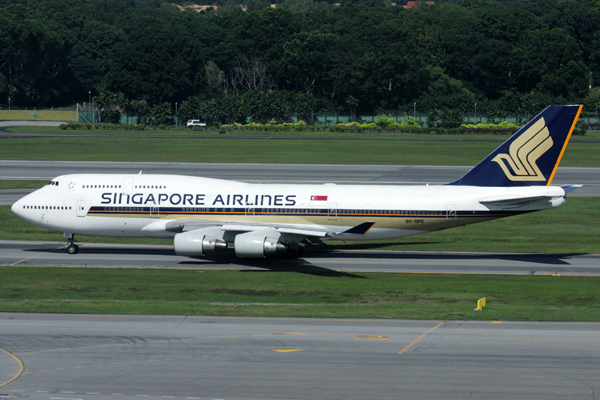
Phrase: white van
pixel 195 122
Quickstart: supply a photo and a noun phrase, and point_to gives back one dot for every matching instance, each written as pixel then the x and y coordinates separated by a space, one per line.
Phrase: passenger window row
pixel 46 207
pixel 101 186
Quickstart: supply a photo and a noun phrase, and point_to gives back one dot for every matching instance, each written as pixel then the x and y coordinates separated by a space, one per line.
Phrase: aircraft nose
pixel 16 207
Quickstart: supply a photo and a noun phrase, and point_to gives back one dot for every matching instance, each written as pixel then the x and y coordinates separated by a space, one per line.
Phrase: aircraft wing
pixel 179 226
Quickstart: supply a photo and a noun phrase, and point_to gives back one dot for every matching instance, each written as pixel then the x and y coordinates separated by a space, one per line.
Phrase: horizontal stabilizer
pixel 514 202
pixel 570 188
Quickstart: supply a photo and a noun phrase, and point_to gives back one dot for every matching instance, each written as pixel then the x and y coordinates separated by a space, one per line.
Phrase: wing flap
pixel 179 226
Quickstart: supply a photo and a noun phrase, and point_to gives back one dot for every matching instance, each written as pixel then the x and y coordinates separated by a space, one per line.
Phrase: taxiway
pixel 109 357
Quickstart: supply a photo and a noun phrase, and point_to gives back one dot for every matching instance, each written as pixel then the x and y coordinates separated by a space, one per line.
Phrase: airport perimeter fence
pixel 421 118
pixel 89 114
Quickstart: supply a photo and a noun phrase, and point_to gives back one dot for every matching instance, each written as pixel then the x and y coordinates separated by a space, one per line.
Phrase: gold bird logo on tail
pixel 524 153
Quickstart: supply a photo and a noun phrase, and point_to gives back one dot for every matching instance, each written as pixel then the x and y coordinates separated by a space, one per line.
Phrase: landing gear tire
pixel 295 253
pixel 72 249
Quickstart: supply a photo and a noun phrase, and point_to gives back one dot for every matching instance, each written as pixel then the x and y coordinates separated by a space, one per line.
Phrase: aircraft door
pixel 154 211
pixel 451 212
pixel 81 208
pixel 332 211
pixel 128 185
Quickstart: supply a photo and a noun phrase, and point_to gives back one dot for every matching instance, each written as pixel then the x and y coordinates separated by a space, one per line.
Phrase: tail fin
pixel 530 156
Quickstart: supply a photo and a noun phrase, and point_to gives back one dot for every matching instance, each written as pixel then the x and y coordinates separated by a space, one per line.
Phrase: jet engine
pixel 199 242
pixel 259 244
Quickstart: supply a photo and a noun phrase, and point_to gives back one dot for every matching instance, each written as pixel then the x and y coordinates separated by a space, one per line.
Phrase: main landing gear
pixel 295 252
pixel 72 248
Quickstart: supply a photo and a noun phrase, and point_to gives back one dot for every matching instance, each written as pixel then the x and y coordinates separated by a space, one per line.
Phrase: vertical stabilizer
pixel 530 156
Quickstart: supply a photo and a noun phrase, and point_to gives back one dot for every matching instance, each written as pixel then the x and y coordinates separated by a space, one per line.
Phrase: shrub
pixel 581 128
pixel 384 121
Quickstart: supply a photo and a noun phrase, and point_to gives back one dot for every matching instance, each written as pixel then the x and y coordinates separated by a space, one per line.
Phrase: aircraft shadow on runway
pixel 270 264
pixel 299 265
pixel 304 264
pixel 550 259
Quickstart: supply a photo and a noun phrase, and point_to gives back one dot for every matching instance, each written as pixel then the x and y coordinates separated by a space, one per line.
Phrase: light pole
pixel 176 120
pixel 590 79
pixel 92 107
pixel 89 98
pixel 415 112
pixel 475 113
pixel 8 103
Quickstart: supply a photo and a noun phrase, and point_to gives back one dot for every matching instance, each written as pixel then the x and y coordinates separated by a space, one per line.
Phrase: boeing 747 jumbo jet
pixel 204 216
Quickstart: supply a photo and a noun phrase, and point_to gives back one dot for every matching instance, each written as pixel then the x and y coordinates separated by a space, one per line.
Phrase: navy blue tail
pixel 531 155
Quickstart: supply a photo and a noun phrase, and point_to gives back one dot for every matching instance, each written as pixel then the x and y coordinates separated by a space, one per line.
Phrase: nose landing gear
pixel 72 248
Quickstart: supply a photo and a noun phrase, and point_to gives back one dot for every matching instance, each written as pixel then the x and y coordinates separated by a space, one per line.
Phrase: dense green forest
pixel 363 56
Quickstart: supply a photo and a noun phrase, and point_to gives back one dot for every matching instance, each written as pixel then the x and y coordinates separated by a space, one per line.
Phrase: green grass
pixel 54 130
pixel 285 151
pixel 20 184
pixel 292 294
pixel 571 228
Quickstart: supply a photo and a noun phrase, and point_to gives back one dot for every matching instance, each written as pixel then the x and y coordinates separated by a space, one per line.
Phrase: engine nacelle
pixel 199 242
pixel 259 244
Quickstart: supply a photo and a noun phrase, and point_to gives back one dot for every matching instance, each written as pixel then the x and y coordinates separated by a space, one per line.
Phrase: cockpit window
pixel 53 183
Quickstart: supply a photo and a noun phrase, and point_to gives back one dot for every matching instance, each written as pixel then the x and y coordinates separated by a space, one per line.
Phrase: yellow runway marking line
pixel 15 376
pixel 422 336
pixel 288 351
pixel 25 259
pixel 372 337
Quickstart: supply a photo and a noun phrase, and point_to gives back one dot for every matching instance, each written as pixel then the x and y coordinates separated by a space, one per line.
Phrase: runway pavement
pixel 25 253
pixel 277 173
pixel 101 357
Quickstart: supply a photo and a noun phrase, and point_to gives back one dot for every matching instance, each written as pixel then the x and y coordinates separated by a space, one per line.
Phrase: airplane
pixel 204 216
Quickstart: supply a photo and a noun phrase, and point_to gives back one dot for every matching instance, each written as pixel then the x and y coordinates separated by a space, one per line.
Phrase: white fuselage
pixel 143 205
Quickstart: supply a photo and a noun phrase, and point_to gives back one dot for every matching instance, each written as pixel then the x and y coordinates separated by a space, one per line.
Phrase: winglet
pixel 530 156
pixel 360 229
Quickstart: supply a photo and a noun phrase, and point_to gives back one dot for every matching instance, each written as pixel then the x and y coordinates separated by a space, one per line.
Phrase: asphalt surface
pixel 275 173
pixel 98 357
pixel 24 253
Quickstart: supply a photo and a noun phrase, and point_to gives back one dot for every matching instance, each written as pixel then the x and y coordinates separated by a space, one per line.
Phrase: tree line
pixel 301 58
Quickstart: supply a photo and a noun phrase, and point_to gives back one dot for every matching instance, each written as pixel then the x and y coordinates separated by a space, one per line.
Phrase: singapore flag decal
pixel 318 198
